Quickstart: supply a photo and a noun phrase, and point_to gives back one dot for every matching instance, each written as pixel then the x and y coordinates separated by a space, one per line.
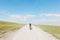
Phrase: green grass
pixel 8 26
pixel 54 30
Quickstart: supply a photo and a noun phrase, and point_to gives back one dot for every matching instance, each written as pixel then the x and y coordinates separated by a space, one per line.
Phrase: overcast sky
pixel 34 11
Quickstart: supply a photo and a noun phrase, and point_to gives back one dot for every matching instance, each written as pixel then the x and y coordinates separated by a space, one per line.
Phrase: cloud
pixel 22 18
pixel 35 19
pixel 51 15
pixel 50 20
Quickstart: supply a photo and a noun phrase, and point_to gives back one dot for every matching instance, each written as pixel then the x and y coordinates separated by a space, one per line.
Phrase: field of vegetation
pixel 8 26
pixel 54 30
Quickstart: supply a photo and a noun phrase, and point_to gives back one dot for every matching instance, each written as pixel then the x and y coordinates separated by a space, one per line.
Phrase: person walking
pixel 30 26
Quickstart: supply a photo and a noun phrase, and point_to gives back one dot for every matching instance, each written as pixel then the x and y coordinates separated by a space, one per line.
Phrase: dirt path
pixel 26 34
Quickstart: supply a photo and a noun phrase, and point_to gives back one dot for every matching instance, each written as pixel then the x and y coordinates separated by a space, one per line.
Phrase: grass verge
pixel 54 30
pixel 8 26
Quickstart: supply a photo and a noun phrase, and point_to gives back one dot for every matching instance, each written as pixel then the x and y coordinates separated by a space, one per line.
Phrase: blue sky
pixel 34 11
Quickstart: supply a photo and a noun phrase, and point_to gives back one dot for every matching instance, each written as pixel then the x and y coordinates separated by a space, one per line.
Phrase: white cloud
pixel 51 15
pixel 8 20
pixel 22 18
pixel 3 20
pixel 36 19
pixel 50 20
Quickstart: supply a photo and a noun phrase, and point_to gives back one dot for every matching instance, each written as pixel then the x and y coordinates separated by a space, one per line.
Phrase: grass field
pixel 54 30
pixel 8 26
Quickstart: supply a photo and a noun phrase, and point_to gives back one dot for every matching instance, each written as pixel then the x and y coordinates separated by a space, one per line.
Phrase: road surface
pixel 26 34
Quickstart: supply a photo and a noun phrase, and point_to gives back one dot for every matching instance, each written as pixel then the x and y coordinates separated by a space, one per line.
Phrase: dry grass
pixel 54 30
pixel 7 26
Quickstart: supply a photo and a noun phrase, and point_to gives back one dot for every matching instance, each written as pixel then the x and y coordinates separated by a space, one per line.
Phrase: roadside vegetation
pixel 8 26
pixel 54 30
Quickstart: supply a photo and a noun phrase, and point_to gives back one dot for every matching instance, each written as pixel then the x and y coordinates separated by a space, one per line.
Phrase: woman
pixel 30 26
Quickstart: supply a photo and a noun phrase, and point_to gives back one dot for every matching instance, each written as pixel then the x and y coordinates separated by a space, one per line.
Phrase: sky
pixel 30 11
